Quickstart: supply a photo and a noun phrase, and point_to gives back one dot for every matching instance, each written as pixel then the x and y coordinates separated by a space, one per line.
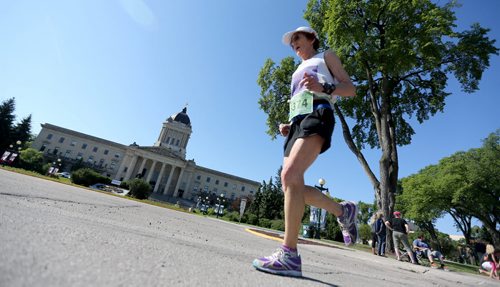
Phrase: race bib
pixel 301 104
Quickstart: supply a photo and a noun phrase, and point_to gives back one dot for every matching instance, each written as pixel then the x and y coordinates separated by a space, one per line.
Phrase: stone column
pixel 131 167
pixel 150 173
pixel 176 190
pixel 165 191
pixel 157 185
pixel 143 163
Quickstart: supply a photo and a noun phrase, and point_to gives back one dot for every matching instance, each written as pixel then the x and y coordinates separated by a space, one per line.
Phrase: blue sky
pixel 117 69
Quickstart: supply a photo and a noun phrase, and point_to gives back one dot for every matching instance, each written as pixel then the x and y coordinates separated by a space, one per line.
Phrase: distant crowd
pixel 480 253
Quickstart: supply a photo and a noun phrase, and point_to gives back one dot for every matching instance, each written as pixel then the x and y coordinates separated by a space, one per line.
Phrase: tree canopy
pixel 11 132
pixel 465 185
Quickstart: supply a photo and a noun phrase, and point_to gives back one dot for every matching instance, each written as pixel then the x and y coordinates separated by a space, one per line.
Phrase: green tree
pixel 11 132
pixel 399 55
pixel 254 209
pixel 31 159
pixel 365 233
pixel 471 178
pixel 7 118
pixel 461 185
pixel 366 211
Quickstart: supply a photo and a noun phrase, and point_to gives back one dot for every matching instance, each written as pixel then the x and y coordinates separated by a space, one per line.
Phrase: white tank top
pixel 315 66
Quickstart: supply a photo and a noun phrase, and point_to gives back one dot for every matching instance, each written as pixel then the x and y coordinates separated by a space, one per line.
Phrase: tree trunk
pixel 463 223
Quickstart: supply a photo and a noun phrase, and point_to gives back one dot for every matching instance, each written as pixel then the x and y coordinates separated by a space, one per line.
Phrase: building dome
pixel 181 117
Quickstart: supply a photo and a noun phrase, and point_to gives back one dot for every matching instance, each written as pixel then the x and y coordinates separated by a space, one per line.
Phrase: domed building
pixel 163 164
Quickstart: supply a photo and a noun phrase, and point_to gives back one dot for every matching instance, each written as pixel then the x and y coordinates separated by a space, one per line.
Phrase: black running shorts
pixel 319 122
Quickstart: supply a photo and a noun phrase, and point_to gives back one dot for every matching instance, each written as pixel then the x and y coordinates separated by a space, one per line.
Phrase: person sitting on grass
pixel 489 262
pixel 421 247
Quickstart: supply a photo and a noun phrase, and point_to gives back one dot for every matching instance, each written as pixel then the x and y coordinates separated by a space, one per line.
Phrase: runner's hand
pixel 311 83
pixel 284 129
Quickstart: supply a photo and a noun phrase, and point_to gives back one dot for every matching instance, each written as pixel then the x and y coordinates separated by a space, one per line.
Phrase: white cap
pixel 287 38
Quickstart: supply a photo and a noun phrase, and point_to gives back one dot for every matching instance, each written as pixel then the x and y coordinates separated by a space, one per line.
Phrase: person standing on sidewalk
pixel 381 233
pixel 400 230
pixel 316 83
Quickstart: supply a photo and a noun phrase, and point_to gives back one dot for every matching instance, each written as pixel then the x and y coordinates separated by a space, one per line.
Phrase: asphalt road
pixel 52 234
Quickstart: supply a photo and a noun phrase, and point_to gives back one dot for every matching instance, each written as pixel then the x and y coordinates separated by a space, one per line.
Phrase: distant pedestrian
pixel 380 230
pixel 316 84
pixel 400 230
pixel 373 224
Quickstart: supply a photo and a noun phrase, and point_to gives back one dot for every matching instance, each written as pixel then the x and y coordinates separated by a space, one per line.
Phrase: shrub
pixel 278 224
pixel 139 188
pixel 124 185
pixel 31 159
pixel 87 177
pixel 264 222
pixel 250 218
pixel 211 211
pixel 233 216
pixel 365 233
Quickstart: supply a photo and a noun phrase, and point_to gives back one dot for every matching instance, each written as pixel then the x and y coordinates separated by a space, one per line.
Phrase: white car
pixel 64 174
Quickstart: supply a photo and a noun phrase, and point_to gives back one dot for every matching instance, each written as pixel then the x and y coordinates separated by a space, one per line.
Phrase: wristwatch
pixel 328 88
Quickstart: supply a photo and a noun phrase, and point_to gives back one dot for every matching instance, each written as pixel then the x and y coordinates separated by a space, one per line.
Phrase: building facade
pixel 163 165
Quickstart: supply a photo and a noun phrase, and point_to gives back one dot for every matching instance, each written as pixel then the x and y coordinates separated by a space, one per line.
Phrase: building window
pixel 225 184
pixel 125 169
pixel 49 136
pixel 79 156
pixel 84 146
pixel 101 161
pixel 43 147
pixel 251 191
pixel 217 182
pixel 94 149
pixel 68 153
pixel 233 195
pixel 91 159
pixel 242 188
pixel 106 151
pixel 205 189
pixel 117 155
pixel 234 186
pixel 168 139
pixel 112 166
pixel 208 179
pixel 198 177
pixel 61 140
pixel 177 143
pixel 73 143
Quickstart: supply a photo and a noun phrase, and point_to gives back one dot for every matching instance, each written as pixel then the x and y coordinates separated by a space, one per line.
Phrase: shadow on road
pixel 318 281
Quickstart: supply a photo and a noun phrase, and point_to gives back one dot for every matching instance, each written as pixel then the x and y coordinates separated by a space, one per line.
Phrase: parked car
pixel 99 186
pixel 64 174
pixel 110 188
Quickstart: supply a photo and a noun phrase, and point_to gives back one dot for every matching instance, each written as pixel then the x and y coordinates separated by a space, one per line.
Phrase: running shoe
pixel 281 262
pixel 348 222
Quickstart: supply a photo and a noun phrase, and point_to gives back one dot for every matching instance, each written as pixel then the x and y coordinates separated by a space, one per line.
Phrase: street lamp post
pixel 220 199
pixel 321 182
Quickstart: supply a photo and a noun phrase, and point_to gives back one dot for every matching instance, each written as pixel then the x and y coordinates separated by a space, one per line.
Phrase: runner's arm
pixel 344 88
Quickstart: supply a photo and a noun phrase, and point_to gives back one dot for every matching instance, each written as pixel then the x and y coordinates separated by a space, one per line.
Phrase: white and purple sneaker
pixel 281 262
pixel 348 222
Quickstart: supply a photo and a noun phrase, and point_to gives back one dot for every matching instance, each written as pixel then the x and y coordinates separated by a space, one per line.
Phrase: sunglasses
pixel 295 37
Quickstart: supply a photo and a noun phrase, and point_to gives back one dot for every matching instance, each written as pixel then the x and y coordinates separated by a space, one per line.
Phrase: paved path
pixel 53 234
